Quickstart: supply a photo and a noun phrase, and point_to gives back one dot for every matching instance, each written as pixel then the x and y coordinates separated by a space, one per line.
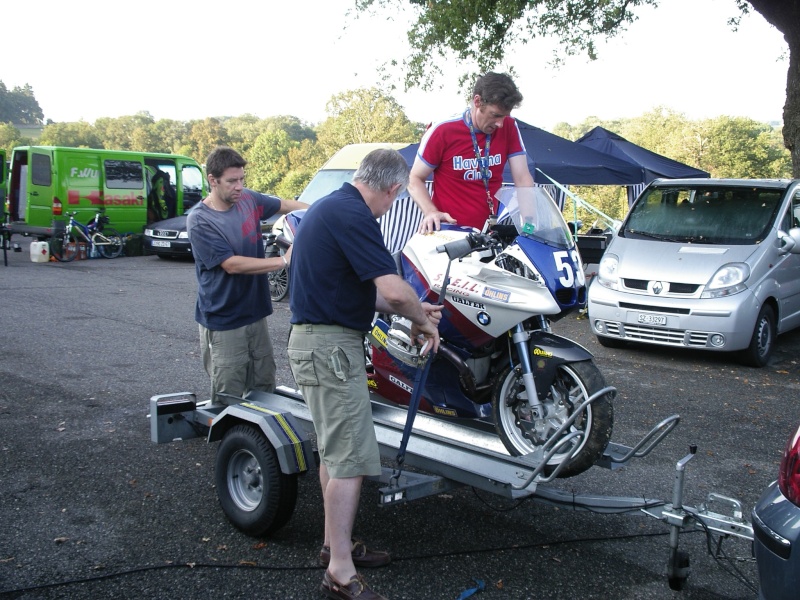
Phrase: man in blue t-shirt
pixel 341 274
pixel 232 284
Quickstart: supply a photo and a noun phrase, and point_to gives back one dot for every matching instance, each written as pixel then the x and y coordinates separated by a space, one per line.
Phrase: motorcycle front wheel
pixel 522 431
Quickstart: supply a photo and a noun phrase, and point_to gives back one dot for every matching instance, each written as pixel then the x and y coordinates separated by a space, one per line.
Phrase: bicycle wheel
pixel 108 243
pixel 278 282
pixel 63 247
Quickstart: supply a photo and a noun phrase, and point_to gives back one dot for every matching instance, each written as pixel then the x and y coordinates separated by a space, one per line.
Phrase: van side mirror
pixel 789 242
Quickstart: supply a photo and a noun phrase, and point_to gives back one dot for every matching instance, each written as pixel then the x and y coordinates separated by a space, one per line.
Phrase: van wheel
pixel 762 343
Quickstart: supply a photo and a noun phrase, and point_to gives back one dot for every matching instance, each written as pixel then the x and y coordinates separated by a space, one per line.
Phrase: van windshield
pixel 704 214
pixel 325 182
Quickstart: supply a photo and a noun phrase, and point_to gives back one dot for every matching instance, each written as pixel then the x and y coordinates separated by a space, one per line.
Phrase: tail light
pixel 57 206
pixel 789 474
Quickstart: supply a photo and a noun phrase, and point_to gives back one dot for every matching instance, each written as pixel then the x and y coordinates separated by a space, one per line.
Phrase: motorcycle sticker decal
pixel 495 294
pixel 458 285
pixel 484 319
pixel 378 335
pixel 465 302
pixel 400 384
pixel 571 271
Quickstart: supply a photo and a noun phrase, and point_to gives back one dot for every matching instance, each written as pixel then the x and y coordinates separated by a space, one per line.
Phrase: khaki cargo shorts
pixel 327 362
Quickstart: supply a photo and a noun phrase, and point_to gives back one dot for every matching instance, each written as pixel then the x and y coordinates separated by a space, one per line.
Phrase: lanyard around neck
pixel 482 161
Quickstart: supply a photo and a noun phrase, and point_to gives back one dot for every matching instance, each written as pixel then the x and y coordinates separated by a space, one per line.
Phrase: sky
pixel 184 60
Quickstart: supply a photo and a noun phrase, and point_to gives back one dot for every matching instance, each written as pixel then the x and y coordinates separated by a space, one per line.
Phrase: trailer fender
pixel 293 448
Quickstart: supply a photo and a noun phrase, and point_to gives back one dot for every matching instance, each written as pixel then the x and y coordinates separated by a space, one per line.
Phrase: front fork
pixel 520 339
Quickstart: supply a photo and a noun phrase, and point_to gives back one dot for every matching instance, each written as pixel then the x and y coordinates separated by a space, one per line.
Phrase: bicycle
pixel 64 246
pixel 278 280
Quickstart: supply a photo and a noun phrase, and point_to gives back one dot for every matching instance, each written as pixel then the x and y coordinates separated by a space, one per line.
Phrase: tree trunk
pixel 784 15
pixel 791 110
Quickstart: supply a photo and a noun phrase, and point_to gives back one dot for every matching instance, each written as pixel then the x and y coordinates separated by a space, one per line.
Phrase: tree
pixel 243 131
pixel 268 161
pixel 204 136
pixel 169 135
pixel 9 137
pixel 741 147
pixel 364 115
pixel 305 159
pixel 478 33
pixel 77 134
pixel 19 106
pixel 125 133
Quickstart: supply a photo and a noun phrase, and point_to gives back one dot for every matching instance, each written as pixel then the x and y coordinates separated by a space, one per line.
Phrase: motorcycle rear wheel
pixel 573 384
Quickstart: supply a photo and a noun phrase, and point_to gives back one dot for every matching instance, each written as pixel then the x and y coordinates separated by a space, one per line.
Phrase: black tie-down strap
pixel 413 404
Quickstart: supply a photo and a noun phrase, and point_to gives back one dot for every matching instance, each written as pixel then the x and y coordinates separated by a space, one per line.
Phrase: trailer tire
pixel 254 494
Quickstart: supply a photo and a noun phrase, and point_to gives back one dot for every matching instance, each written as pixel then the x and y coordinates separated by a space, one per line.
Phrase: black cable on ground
pixel 196 565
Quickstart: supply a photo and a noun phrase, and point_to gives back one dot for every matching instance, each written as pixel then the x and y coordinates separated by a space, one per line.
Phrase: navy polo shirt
pixel 338 251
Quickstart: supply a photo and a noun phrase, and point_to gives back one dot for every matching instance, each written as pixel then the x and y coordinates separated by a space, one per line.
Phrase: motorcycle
pixel 498 358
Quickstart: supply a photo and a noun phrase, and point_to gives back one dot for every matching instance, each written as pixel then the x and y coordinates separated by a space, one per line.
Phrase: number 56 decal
pixel 564 264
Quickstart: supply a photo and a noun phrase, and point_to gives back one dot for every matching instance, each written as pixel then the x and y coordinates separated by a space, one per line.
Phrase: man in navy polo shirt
pixel 341 274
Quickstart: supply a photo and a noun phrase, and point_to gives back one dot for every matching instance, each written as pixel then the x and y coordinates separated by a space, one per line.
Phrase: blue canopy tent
pixel 653 165
pixel 571 164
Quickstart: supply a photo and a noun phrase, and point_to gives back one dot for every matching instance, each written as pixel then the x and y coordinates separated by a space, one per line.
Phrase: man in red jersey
pixel 467 154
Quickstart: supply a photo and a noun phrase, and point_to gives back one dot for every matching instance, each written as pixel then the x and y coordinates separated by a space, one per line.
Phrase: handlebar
pixel 468 245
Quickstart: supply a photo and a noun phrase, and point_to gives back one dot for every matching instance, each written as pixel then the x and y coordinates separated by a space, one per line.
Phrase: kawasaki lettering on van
pixel 97 198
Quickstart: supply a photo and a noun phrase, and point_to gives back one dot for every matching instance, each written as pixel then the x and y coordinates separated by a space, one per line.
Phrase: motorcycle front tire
pixel 580 380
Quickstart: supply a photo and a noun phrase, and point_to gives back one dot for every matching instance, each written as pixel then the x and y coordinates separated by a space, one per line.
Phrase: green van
pixel 131 188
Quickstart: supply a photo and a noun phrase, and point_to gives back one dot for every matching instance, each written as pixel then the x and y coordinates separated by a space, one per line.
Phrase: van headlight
pixel 727 281
pixel 607 271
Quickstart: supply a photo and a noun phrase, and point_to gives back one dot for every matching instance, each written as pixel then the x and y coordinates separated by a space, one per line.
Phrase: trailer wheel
pixel 254 494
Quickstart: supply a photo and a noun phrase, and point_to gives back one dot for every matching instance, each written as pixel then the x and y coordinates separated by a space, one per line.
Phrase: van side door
pixel 79 181
pixel 191 186
pixel 36 200
pixel 124 194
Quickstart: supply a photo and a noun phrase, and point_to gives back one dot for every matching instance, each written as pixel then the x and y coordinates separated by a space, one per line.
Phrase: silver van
pixel 703 263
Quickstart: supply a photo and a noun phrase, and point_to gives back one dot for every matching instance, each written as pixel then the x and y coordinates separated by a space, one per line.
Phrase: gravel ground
pixel 91 508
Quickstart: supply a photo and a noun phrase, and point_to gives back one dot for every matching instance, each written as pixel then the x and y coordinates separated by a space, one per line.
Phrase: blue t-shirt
pixel 338 250
pixel 230 301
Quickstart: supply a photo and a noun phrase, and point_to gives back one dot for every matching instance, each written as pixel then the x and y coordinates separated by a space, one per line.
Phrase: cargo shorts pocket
pixel 302 365
pixel 339 363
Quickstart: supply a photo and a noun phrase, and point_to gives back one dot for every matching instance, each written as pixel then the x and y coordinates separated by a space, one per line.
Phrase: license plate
pixel 161 244
pixel 646 319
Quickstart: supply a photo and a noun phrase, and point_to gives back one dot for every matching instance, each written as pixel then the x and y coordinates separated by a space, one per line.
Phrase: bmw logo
pixel 484 319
